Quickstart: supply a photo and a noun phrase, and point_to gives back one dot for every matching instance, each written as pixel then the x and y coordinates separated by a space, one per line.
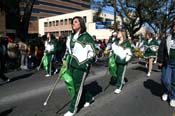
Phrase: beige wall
pixel 33 27
pixel 58 28
pixel 91 26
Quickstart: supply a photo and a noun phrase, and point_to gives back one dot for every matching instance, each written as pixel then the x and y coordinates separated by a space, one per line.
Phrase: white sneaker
pixel 165 97
pixel 155 62
pixel 172 103
pixel 68 113
pixel 148 74
pixel 117 91
pixel 47 75
pixel 87 104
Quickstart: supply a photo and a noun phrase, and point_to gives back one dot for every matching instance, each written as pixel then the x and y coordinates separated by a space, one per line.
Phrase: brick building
pixel 3 23
pixel 48 8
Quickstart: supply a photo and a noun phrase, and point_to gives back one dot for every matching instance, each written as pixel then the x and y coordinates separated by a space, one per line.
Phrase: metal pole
pixel 45 103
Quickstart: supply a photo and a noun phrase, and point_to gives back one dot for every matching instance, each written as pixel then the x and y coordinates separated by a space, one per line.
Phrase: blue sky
pixel 111 11
pixel 106 9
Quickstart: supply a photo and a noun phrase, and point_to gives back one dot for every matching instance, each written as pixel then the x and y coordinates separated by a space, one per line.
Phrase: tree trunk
pixel 24 22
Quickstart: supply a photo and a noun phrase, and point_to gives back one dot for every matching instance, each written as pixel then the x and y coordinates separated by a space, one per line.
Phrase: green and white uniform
pixel 80 54
pixel 50 49
pixel 122 55
pixel 151 46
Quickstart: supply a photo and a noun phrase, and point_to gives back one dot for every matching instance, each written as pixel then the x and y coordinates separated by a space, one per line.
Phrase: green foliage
pixel 134 13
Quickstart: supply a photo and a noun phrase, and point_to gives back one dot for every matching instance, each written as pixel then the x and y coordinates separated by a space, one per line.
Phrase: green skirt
pixel 150 55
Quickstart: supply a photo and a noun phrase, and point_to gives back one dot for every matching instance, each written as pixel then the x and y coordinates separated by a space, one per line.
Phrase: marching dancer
pixel 80 54
pixel 151 46
pixel 120 56
pixel 50 49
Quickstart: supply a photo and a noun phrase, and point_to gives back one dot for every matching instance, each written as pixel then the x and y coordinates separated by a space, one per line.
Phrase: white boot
pixel 47 75
pixel 87 104
pixel 68 113
pixel 117 91
pixel 149 74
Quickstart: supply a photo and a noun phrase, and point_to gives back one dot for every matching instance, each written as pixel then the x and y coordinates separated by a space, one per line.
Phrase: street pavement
pixel 141 96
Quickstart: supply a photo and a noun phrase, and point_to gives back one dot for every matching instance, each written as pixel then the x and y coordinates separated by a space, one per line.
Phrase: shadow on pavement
pixel 155 88
pixel 143 69
pixel 21 77
pixel 156 70
pixel 6 112
pixel 94 88
pixel 142 63
pixel 17 78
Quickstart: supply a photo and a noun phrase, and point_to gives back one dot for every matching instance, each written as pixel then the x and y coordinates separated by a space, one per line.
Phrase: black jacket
pixel 163 56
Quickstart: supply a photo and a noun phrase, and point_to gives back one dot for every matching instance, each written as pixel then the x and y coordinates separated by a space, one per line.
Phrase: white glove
pixel 128 55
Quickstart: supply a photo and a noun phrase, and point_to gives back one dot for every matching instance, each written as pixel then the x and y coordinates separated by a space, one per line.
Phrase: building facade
pixel 48 8
pixel 60 25
pixel 3 23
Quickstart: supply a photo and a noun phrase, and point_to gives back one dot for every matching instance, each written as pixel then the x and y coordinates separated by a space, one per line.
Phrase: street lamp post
pixel 22 7
pixel 22 10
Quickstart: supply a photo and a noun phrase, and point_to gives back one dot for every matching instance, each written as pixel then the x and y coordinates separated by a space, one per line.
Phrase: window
pixel 50 24
pixel 85 19
pixel 70 20
pixel 56 33
pixel 57 22
pixel 45 24
pixel 53 23
pixel 61 22
pixel 65 21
